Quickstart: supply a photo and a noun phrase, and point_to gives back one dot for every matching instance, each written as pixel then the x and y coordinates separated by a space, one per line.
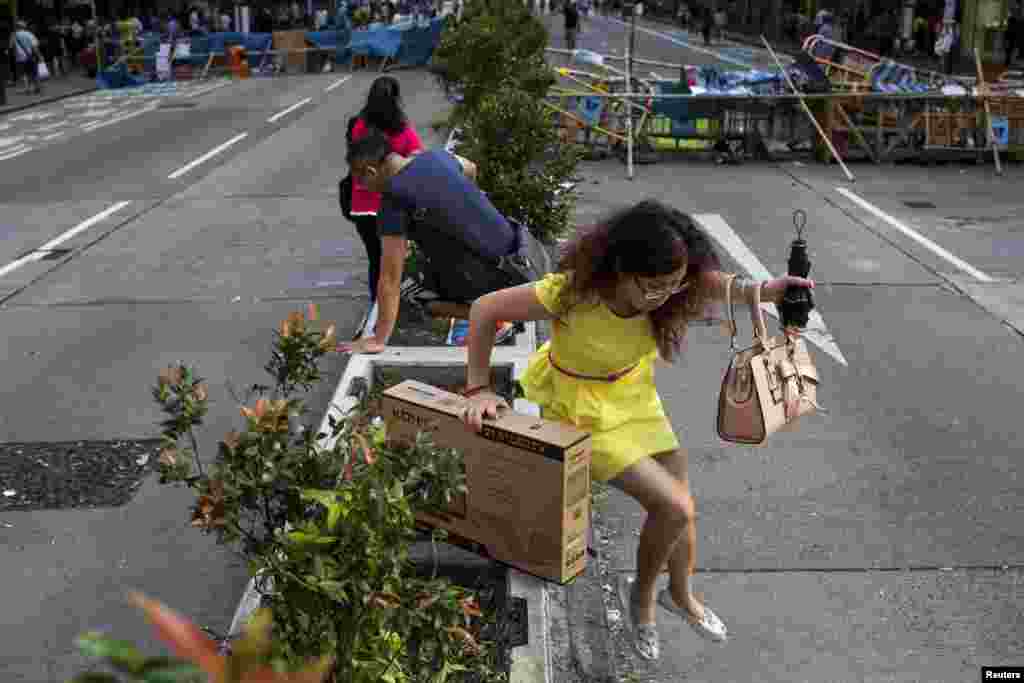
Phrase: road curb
pixel 532 662
pixel 11 109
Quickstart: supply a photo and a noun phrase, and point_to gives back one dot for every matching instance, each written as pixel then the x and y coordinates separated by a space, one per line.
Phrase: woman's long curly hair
pixel 383 108
pixel 645 240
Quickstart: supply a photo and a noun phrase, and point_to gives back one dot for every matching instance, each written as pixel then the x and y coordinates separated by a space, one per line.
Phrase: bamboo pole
pixel 629 111
pixel 989 135
pixel 808 111
pixel 575 117
pixel 856 129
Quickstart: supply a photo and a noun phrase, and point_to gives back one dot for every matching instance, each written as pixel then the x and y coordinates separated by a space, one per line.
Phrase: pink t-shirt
pixel 364 202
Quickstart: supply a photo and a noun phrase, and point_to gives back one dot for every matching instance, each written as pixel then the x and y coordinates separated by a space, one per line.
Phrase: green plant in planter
pixel 514 141
pixel 328 530
pixel 498 43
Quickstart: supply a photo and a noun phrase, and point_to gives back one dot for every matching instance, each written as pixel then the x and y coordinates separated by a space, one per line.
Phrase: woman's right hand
pixel 483 406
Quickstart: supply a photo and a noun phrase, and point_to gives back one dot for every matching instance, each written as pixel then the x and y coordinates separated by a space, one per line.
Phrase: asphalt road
pixel 199 267
pixel 824 551
pixel 882 540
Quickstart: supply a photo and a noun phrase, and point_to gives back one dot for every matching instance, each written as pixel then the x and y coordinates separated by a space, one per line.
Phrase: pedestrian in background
pixel 27 56
pixel 383 111
pixel 572 22
pixel 622 297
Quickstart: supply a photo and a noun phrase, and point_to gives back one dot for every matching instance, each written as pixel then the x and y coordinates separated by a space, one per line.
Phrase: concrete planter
pixel 531 663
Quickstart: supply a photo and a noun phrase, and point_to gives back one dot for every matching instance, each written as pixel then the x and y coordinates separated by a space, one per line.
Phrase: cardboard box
pixel 528 481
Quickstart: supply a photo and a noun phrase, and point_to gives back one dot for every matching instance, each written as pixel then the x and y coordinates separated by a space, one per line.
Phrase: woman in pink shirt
pixel 383 110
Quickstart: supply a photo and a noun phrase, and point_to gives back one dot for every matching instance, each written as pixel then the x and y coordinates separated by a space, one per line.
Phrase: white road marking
pixel 688 45
pixel 96 125
pixel 53 136
pixel 289 110
pixel 17 153
pixel 34 116
pixel 209 155
pixel 39 253
pixel 201 91
pixel 336 83
pixel 914 235
pixel 817 333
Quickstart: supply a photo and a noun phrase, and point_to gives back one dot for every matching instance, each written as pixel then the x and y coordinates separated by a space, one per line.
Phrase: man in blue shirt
pixel 431 198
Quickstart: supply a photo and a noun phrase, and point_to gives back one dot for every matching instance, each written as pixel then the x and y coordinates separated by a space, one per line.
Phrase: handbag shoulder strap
pixel 756 315
pixel 30 50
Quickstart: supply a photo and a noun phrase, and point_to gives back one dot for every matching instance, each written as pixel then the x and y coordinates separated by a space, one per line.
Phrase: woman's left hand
pixel 774 289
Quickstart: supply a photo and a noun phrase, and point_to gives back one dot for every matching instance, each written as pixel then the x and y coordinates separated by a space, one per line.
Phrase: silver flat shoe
pixel 709 628
pixel 647 643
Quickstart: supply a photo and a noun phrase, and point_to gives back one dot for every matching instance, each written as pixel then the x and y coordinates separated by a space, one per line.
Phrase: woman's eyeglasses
pixel 655 294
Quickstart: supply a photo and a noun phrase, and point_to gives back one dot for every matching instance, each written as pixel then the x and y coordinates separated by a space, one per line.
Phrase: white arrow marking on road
pixel 914 235
pixel 39 253
pixel 289 110
pixel 337 83
pixel 816 332
pixel 209 155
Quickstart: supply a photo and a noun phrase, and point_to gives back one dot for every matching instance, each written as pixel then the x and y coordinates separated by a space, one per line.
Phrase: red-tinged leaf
pixel 464 636
pixel 348 472
pixel 168 457
pixel 181 635
pixel 425 600
pixel 470 608
pixel 232 439
pixel 385 600
pixel 170 375
pixel 368 455
pixel 312 312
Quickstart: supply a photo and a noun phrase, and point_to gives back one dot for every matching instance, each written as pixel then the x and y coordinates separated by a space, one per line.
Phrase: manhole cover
pixel 920 205
pixel 178 105
pixel 54 254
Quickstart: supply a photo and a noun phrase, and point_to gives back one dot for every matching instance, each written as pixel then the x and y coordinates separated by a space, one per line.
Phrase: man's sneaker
pixel 414 291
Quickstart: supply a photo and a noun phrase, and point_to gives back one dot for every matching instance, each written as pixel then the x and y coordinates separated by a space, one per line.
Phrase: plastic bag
pixel 41 71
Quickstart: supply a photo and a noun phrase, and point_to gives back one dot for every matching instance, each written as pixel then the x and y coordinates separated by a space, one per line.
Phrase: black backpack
pixel 345 184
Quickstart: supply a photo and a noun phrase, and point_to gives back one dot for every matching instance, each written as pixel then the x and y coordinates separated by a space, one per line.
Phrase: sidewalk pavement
pixel 54 89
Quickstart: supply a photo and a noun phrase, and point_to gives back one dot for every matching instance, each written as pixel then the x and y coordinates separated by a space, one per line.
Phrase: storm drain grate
pixel 920 205
pixel 519 622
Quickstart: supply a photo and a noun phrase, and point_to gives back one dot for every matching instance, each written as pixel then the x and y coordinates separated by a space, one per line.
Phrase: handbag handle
pixel 756 316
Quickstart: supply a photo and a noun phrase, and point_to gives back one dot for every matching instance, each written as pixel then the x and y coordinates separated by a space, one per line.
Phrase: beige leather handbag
pixel 767 386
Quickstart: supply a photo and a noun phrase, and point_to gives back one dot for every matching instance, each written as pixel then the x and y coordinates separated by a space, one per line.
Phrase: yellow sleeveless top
pixel 625 417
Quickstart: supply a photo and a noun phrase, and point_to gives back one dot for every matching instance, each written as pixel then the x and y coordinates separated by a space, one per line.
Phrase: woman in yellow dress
pixel 622 296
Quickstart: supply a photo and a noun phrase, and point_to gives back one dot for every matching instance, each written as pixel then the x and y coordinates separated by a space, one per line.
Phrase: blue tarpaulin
pixel 117 76
pixel 418 43
pixel 406 43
